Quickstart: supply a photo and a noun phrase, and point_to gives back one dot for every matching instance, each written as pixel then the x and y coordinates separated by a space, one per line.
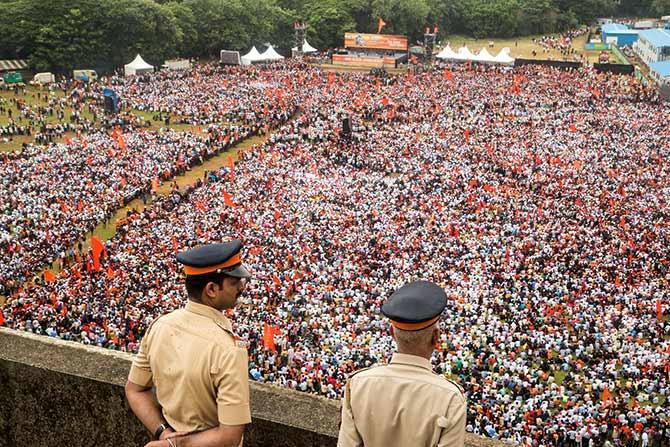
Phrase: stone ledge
pixel 50 385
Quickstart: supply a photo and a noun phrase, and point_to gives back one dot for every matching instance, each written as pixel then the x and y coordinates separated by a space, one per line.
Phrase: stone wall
pixel 56 393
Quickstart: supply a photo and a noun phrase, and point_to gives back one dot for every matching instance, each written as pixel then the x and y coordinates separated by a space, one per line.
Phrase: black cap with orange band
pixel 214 258
pixel 415 306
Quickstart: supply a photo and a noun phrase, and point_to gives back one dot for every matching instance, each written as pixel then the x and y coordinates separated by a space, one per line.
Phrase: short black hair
pixel 195 284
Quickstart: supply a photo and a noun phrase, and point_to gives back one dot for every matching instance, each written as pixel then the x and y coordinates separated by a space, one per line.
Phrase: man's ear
pixel 210 290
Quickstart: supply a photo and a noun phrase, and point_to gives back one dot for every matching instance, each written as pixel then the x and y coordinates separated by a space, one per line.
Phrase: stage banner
pixel 375 41
pixel 362 61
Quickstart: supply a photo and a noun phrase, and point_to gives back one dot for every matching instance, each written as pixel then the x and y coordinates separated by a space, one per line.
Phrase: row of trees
pixel 65 34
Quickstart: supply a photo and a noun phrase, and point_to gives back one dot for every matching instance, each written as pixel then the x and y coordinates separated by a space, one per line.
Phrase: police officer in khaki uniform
pixel 405 403
pixel 191 358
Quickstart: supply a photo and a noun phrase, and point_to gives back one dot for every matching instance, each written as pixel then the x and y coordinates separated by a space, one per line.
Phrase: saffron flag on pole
pixel 228 199
pixel 97 248
pixel 49 276
pixel 380 24
pixel 268 337
pixel 607 396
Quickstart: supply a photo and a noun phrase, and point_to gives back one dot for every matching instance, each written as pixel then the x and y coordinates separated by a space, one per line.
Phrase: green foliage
pixel 661 7
pixel 66 34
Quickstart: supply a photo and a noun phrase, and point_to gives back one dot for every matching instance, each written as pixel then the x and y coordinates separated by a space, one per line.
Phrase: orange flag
pixel 68 141
pixel 175 244
pixel 380 24
pixel 268 338
pixel 231 166
pixel 49 276
pixel 448 75
pixel 607 396
pixel 659 309
pixel 97 247
pixel 228 199
pixel 121 141
pixel 154 184
pixel 110 273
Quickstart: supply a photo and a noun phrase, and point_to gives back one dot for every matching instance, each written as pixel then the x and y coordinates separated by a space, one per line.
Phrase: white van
pixel 44 78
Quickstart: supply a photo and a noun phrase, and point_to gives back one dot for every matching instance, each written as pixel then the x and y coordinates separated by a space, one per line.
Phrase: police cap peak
pixel 221 257
pixel 415 306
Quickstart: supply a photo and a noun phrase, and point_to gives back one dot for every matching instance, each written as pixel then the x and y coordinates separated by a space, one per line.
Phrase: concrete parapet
pixel 57 393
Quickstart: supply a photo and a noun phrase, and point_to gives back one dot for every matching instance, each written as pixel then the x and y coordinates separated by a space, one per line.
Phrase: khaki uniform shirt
pixel 199 372
pixel 404 404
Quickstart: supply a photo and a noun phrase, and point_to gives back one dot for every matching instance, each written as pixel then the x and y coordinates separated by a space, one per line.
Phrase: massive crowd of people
pixel 536 197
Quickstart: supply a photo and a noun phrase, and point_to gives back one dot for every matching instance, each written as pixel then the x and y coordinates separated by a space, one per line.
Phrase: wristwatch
pixel 161 428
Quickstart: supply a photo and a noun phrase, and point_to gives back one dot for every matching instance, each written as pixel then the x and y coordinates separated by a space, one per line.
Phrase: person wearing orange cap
pixel 191 358
pixel 405 402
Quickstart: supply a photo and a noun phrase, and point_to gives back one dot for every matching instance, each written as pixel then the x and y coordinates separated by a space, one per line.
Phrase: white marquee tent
pixel 464 54
pixel 504 58
pixel 251 56
pixel 138 66
pixel 306 48
pixel 271 55
pixel 446 53
pixel 484 56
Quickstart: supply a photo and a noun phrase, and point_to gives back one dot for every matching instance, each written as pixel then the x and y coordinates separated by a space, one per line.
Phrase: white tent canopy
pixel 464 54
pixel 271 55
pixel 306 48
pixel 503 57
pixel 446 53
pixel 251 56
pixel 484 56
pixel 138 66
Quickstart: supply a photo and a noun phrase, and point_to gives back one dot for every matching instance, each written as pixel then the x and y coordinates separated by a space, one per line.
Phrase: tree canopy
pixel 64 34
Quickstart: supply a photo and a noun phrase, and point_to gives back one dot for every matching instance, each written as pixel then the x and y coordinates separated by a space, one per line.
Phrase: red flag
pixel 448 75
pixel 277 215
pixel 49 276
pixel 380 24
pixel 276 280
pixel 2 318
pixel 228 199
pixel 68 141
pixel 97 248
